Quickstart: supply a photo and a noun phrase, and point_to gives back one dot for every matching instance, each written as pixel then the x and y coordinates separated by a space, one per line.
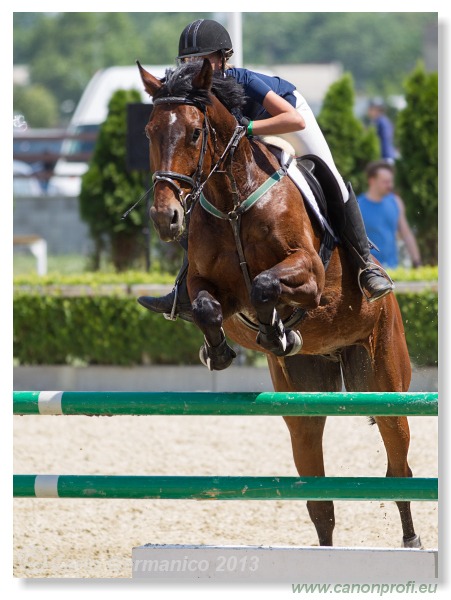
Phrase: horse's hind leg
pixel 309 373
pixel 396 436
pixel 388 371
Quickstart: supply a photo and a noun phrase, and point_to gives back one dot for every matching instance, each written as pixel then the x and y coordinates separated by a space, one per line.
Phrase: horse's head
pixel 182 140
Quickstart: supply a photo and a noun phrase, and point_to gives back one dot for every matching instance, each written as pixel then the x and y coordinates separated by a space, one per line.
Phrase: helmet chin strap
pixel 225 54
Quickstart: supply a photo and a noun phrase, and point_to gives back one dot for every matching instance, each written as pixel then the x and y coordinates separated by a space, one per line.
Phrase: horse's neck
pixel 241 170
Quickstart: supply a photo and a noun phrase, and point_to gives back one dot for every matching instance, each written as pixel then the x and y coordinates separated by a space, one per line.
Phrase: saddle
pixel 317 183
pixel 323 184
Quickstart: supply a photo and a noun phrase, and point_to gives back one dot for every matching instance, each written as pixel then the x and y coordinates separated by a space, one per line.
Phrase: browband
pixel 178 100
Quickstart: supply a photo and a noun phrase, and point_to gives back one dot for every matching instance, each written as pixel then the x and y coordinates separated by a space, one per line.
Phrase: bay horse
pixel 267 269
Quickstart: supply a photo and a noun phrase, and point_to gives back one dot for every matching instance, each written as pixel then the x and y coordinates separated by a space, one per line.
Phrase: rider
pixel 274 107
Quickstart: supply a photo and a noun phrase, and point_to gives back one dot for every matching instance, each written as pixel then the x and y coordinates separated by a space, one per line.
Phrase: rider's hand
pixel 244 121
pixel 247 123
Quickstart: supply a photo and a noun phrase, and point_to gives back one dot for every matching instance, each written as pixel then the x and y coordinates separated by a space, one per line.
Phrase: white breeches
pixel 314 142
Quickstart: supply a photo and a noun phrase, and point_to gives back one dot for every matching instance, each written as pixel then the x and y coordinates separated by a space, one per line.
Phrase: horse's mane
pixel 179 82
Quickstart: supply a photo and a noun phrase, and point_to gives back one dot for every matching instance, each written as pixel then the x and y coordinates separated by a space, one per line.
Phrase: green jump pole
pixel 220 403
pixel 224 488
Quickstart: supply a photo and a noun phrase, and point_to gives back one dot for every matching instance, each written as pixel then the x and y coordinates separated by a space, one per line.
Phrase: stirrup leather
pixel 172 316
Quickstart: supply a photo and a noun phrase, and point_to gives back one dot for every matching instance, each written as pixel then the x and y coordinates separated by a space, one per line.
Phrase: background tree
pixel 64 50
pixel 417 168
pixel 37 104
pixel 352 146
pixel 108 189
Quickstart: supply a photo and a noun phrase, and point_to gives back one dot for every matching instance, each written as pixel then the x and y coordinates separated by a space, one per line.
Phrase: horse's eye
pixel 196 134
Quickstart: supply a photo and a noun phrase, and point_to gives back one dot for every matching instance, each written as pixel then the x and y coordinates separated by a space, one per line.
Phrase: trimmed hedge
pixel 420 315
pixel 96 278
pixel 115 330
pixel 103 330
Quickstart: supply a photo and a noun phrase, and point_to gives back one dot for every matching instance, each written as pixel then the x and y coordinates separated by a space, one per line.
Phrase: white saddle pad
pixel 300 181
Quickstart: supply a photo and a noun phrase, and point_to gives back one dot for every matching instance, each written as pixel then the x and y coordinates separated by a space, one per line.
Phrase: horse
pixel 254 264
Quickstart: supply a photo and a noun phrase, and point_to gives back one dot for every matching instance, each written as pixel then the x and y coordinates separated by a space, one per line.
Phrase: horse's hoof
pixel 216 358
pixel 287 343
pixel 414 542
pixel 294 342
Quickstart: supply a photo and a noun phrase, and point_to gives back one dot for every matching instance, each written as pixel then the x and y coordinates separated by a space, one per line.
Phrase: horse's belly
pixel 331 327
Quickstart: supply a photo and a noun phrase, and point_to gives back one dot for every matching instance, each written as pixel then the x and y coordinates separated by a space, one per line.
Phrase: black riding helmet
pixel 202 37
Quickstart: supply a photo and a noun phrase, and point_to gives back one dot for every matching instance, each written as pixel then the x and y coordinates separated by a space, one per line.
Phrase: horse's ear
pixel 204 78
pixel 151 83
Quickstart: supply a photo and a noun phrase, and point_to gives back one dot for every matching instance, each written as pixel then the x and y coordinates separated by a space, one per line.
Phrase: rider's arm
pixel 284 117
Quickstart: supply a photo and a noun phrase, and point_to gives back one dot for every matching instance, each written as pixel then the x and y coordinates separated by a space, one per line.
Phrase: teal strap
pixel 212 209
pixel 249 202
pixel 259 192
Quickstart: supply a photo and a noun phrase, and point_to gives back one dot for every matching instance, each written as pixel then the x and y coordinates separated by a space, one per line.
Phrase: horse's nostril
pixel 175 218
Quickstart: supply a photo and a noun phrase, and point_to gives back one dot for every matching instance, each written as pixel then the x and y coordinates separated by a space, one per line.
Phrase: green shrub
pixel 351 145
pixel 417 169
pixel 420 316
pixel 104 330
pixel 426 273
pixel 109 189
pixel 94 279
pixel 115 330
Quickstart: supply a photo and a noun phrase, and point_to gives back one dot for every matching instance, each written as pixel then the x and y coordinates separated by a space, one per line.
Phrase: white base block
pixel 284 564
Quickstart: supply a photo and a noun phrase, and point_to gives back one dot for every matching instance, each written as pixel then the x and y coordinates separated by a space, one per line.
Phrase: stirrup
pixel 172 316
pixel 370 267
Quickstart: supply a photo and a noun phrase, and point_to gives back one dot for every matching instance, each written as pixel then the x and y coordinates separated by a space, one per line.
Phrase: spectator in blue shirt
pixel 384 215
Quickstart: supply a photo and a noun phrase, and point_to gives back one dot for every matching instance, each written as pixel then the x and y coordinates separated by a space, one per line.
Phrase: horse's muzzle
pixel 168 222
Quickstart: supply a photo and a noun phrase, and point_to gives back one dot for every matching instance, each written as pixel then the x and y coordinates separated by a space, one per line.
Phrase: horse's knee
pixel 207 311
pixel 266 290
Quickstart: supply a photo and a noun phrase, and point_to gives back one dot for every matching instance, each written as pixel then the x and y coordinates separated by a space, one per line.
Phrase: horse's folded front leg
pixel 297 280
pixel 215 353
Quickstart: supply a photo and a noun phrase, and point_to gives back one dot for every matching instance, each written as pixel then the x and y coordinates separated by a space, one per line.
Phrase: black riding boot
pixel 373 280
pixel 176 303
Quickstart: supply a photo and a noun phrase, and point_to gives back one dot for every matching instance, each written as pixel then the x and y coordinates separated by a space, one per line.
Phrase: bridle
pixel 239 207
pixel 195 181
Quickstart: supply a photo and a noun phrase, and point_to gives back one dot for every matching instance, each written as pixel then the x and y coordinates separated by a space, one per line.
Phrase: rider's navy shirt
pixel 256 86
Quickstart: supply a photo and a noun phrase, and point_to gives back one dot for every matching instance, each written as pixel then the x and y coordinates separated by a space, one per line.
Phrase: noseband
pixel 195 181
